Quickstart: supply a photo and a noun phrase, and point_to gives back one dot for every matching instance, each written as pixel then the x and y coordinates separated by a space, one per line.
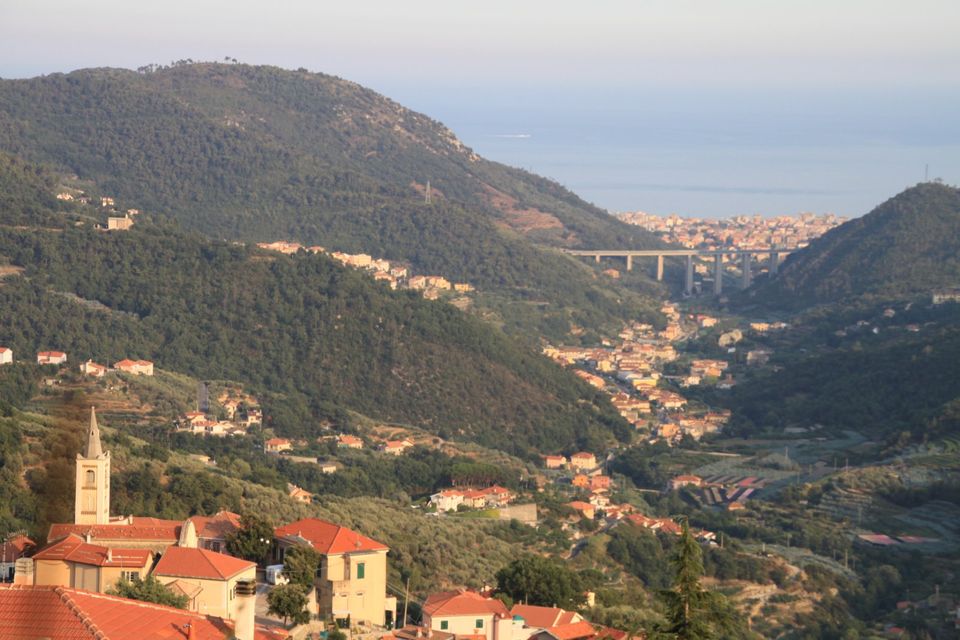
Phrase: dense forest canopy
pixel 316 337
pixel 908 245
pixel 260 154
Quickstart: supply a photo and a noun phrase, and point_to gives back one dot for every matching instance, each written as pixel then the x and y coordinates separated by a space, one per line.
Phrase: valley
pixel 437 374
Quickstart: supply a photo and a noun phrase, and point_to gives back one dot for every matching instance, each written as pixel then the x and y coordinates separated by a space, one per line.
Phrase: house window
pixel 444 625
pixel 131 576
pixel 91 478
pixel 361 570
pixel 479 624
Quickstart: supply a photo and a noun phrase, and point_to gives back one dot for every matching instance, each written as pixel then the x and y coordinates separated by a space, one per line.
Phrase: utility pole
pixel 427 194
pixel 406 602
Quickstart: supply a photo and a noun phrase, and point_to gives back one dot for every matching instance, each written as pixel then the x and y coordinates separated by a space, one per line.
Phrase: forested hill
pixel 259 153
pixel 314 338
pixel 908 245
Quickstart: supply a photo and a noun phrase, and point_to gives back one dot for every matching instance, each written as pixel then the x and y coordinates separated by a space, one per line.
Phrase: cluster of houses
pixel 133 367
pixel 396 276
pixel 704 369
pixel 115 221
pixel 471 615
pixel 241 413
pixel 237 424
pixel 740 232
pixel 189 557
pixel 631 373
pixel 493 497
pixel 90 368
pixel 344 441
pixel 84 559
pixel 584 474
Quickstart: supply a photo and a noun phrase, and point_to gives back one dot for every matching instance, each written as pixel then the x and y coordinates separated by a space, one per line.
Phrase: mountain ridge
pixel 906 246
pixel 250 153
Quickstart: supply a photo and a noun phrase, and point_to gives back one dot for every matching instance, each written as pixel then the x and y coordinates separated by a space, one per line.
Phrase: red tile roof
pixel 59 613
pixel 462 603
pixel 15 547
pixel 74 549
pixel 184 562
pixel 327 537
pixel 219 525
pixel 146 529
pixel 544 617
pixel 582 629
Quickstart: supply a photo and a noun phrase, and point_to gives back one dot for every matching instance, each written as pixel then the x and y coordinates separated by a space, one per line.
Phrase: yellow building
pixel 353 571
pixel 208 578
pixel 72 562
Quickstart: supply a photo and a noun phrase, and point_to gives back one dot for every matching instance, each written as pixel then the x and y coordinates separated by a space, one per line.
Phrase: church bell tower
pixel 92 502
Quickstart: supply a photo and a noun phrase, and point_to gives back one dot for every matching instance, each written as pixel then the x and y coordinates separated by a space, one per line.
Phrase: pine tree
pixel 694 613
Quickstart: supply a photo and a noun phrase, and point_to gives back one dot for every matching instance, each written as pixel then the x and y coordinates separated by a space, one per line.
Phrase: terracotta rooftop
pixel 544 617
pixel 15 547
pixel 74 549
pixel 184 562
pixel 216 526
pixel 461 603
pixel 58 613
pixel 147 529
pixel 572 631
pixel 327 537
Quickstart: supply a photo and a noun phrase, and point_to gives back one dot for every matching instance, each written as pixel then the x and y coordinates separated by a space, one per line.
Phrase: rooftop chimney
pixel 245 612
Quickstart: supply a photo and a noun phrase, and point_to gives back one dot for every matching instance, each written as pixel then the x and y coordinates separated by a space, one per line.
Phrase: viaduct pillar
pixel 688 280
pixel 597 258
pixel 745 266
pixel 629 262
pixel 660 268
pixel 774 263
pixel 718 273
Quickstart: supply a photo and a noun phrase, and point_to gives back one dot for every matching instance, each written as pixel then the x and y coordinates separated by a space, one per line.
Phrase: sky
pixel 691 106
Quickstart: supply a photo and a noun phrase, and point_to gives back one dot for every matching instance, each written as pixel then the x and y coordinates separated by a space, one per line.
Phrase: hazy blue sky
pixel 679 105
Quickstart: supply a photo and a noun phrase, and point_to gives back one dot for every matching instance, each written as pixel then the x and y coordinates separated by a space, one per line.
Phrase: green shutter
pixel 479 624
pixel 360 570
pixel 443 625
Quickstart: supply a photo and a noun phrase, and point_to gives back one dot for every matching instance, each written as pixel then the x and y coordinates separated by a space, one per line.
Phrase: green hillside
pixel 312 336
pixel 908 245
pixel 259 153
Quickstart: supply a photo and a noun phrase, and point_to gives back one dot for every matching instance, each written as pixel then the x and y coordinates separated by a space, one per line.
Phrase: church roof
pixel 139 529
pixel 74 549
pixel 93 448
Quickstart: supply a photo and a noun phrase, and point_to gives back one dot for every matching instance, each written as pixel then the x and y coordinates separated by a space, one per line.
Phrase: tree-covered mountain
pixel 259 153
pixel 908 245
pixel 878 386
pixel 314 337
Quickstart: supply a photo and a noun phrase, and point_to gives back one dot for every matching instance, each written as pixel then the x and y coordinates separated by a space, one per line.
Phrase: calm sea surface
pixel 718 155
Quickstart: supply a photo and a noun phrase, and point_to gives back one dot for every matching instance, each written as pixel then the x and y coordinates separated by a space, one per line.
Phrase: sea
pixel 715 153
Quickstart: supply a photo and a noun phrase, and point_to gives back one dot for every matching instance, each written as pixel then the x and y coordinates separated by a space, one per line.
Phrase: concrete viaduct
pixel 690 254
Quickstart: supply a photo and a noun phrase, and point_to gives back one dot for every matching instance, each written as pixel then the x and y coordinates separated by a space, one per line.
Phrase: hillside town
pixel 74 575
pixel 739 232
pixel 396 276
pixel 631 372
